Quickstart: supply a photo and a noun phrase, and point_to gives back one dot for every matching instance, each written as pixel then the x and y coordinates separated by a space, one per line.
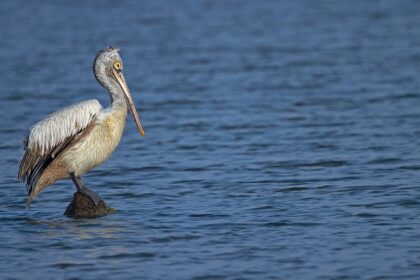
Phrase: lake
pixel 282 139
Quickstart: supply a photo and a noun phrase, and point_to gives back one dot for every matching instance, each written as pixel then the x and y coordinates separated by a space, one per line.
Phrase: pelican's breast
pixel 96 147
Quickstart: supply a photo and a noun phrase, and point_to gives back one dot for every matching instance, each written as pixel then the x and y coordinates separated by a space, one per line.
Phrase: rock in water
pixel 83 207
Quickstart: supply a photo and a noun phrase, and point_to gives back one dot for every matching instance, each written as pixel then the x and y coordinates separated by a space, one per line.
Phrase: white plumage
pixel 64 123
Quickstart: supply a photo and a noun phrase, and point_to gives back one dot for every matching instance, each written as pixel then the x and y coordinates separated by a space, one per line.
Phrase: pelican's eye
pixel 118 65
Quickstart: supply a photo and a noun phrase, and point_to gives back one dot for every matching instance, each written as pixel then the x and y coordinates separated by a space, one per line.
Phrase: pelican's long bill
pixel 121 80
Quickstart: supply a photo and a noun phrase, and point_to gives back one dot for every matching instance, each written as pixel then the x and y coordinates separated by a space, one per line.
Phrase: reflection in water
pixel 78 229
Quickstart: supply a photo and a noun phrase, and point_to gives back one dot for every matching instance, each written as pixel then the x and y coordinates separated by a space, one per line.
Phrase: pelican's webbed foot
pixel 91 194
pixel 85 191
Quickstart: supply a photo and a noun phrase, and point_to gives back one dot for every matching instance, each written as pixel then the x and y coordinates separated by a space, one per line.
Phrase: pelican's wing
pixel 50 136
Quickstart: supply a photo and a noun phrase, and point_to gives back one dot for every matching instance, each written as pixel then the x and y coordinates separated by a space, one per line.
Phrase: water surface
pixel 282 139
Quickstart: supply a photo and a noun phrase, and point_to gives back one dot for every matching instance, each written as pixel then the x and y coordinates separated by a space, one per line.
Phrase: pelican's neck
pixel 117 99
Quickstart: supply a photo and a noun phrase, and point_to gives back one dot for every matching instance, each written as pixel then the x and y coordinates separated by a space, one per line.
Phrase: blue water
pixel 282 139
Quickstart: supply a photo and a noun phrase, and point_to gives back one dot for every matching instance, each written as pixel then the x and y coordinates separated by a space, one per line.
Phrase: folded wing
pixel 50 136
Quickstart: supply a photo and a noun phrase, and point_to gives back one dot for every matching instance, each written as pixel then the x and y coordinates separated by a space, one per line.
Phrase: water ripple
pixel 281 139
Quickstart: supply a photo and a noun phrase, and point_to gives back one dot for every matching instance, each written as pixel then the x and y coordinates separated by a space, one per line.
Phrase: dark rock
pixel 82 206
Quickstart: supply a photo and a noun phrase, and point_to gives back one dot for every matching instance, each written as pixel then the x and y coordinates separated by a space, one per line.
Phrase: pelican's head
pixel 107 69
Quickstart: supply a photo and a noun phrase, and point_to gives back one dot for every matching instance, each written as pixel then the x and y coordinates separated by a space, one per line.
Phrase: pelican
pixel 71 141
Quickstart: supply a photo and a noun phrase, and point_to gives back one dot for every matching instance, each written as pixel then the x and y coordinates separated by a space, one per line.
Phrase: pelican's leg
pixel 82 189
